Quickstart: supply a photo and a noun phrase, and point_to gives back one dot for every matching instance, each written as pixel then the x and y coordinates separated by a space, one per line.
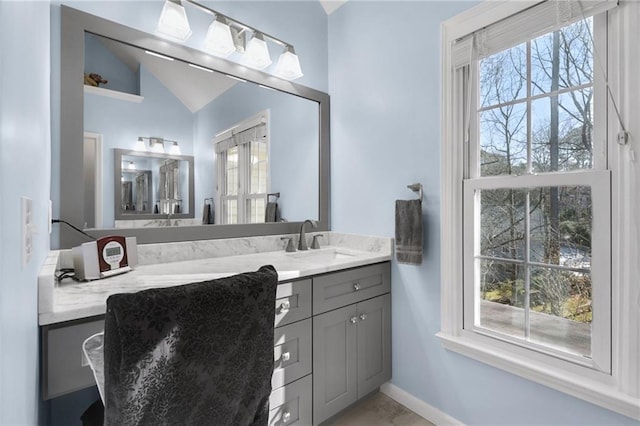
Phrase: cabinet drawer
pixel 65 368
pixel 291 353
pixel 332 291
pixel 291 404
pixel 293 302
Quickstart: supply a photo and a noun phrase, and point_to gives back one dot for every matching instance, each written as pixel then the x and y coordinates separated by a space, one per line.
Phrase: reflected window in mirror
pixel 243 170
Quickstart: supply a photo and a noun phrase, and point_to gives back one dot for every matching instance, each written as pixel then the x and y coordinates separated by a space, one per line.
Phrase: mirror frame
pixel 77 170
pixel 117 189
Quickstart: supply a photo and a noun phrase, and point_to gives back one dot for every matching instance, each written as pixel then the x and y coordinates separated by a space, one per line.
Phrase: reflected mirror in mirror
pixel 255 150
pixel 150 186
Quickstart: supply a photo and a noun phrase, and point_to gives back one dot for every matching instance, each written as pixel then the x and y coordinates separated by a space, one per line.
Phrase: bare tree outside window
pixel 535 115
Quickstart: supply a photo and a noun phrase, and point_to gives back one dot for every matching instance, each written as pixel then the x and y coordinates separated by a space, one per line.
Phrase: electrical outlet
pixel 50 218
pixel 26 206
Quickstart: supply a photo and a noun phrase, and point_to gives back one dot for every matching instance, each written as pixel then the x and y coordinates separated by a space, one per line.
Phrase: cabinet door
pixel 334 362
pixel 374 343
pixel 65 368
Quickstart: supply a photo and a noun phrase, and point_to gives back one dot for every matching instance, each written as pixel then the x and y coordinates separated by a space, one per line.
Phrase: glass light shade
pixel 131 165
pixel 219 41
pixel 257 52
pixel 173 21
pixel 288 66
pixel 157 146
pixel 140 146
pixel 175 149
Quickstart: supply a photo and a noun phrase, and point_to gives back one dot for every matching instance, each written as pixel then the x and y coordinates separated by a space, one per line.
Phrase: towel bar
pixel 416 187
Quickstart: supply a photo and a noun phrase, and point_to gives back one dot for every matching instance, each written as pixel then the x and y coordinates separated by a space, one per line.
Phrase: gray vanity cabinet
pixel 332 345
pixel 351 344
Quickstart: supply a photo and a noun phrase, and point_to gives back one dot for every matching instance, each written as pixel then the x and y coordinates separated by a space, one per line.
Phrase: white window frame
pixel 618 390
pixel 244 172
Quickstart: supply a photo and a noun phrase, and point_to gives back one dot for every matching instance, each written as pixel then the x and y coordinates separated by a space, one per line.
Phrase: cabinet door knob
pixel 353 320
pixel 284 306
pixel 286 416
pixel 356 286
pixel 286 356
pixel 363 317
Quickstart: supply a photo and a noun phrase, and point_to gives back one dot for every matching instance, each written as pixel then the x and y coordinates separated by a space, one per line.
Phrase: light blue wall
pixel 120 122
pixel 24 171
pixel 384 82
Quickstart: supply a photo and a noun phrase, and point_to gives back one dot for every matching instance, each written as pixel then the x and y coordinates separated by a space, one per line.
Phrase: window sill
pixel 590 389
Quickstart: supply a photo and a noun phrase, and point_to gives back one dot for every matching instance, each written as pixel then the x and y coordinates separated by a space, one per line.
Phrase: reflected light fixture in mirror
pixel 140 146
pixel 226 35
pixel 173 21
pixel 175 149
pixel 157 146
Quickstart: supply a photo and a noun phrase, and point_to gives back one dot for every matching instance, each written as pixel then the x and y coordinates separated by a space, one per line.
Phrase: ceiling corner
pixel 331 6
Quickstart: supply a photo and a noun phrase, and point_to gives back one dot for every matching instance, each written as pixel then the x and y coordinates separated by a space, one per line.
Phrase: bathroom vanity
pixel 332 341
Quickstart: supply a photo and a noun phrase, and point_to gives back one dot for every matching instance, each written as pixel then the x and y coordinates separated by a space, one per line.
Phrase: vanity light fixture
pixel 226 35
pixel 288 66
pixel 131 165
pixel 219 40
pixel 257 52
pixel 173 21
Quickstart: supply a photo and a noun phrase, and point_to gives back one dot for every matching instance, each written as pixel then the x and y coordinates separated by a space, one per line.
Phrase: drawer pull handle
pixel 286 416
pixel 356 286
pixel 353 320
pixel 286 356
pixel 363 317
pixel 284 306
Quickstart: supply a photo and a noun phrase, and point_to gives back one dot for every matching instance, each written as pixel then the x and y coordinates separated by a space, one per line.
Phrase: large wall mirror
pixel 190 146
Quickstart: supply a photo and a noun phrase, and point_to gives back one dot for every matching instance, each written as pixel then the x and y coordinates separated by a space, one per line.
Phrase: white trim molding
pixel 619 390
pixel 418 406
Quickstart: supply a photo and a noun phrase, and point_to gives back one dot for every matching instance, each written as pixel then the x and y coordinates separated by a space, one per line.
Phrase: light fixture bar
pixel 237 23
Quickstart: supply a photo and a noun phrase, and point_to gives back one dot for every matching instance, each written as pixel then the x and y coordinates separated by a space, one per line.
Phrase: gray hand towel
pixel 207 215
pixel 409 231
pixel 271 212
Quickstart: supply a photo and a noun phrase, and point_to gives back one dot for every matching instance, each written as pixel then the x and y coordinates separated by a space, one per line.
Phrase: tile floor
pixel 379 410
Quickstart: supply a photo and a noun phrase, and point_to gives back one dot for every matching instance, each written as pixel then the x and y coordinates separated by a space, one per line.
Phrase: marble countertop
pixel 71 300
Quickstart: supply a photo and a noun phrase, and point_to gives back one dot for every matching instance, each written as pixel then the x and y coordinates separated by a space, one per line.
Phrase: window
pixel 535 199
pixel 532 178
pixel 243 171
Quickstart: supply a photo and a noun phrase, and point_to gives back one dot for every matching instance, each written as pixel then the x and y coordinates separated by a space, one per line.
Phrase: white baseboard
pixel 418 406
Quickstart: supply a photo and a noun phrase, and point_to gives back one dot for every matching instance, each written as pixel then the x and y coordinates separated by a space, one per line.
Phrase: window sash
pixel 599 182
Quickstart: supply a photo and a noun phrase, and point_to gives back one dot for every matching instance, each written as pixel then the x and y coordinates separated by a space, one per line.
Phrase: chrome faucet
pixel 302 243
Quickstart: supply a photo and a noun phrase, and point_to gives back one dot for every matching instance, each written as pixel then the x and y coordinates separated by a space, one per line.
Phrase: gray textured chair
pixel 196 354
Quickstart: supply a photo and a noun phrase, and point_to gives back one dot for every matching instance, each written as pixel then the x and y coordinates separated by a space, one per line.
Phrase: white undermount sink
pixel 323 253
